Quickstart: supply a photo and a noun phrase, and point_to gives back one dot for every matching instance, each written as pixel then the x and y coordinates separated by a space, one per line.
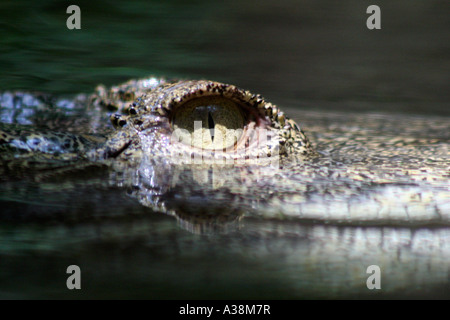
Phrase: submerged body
pixel 366 189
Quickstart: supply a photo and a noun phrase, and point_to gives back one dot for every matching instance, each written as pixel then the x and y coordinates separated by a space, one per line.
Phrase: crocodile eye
pixel 210 122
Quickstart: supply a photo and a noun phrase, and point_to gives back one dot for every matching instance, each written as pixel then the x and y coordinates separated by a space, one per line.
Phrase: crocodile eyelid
pixel 221 108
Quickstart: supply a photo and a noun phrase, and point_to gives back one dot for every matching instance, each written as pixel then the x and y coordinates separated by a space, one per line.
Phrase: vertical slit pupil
pixel 211 125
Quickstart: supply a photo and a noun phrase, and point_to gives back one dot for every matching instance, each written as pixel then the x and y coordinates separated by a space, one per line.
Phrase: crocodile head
pixel 172 150
pixel 192 146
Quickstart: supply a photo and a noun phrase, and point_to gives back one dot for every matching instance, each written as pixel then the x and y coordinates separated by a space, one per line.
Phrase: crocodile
pixel 353 191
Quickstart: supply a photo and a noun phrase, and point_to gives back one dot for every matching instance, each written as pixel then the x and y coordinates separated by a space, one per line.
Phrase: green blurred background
pixel 301 54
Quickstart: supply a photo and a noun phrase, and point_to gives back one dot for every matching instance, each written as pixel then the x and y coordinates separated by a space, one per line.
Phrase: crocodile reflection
pixel 203 198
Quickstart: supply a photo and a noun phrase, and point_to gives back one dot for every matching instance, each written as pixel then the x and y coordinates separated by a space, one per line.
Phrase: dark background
pixel 301 54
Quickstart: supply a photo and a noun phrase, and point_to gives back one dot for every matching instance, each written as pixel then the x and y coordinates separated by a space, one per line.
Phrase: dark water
pixel 309 54
pixel 299 54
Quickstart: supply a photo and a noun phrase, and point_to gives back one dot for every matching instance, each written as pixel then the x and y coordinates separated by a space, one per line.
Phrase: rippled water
pixel 315 55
